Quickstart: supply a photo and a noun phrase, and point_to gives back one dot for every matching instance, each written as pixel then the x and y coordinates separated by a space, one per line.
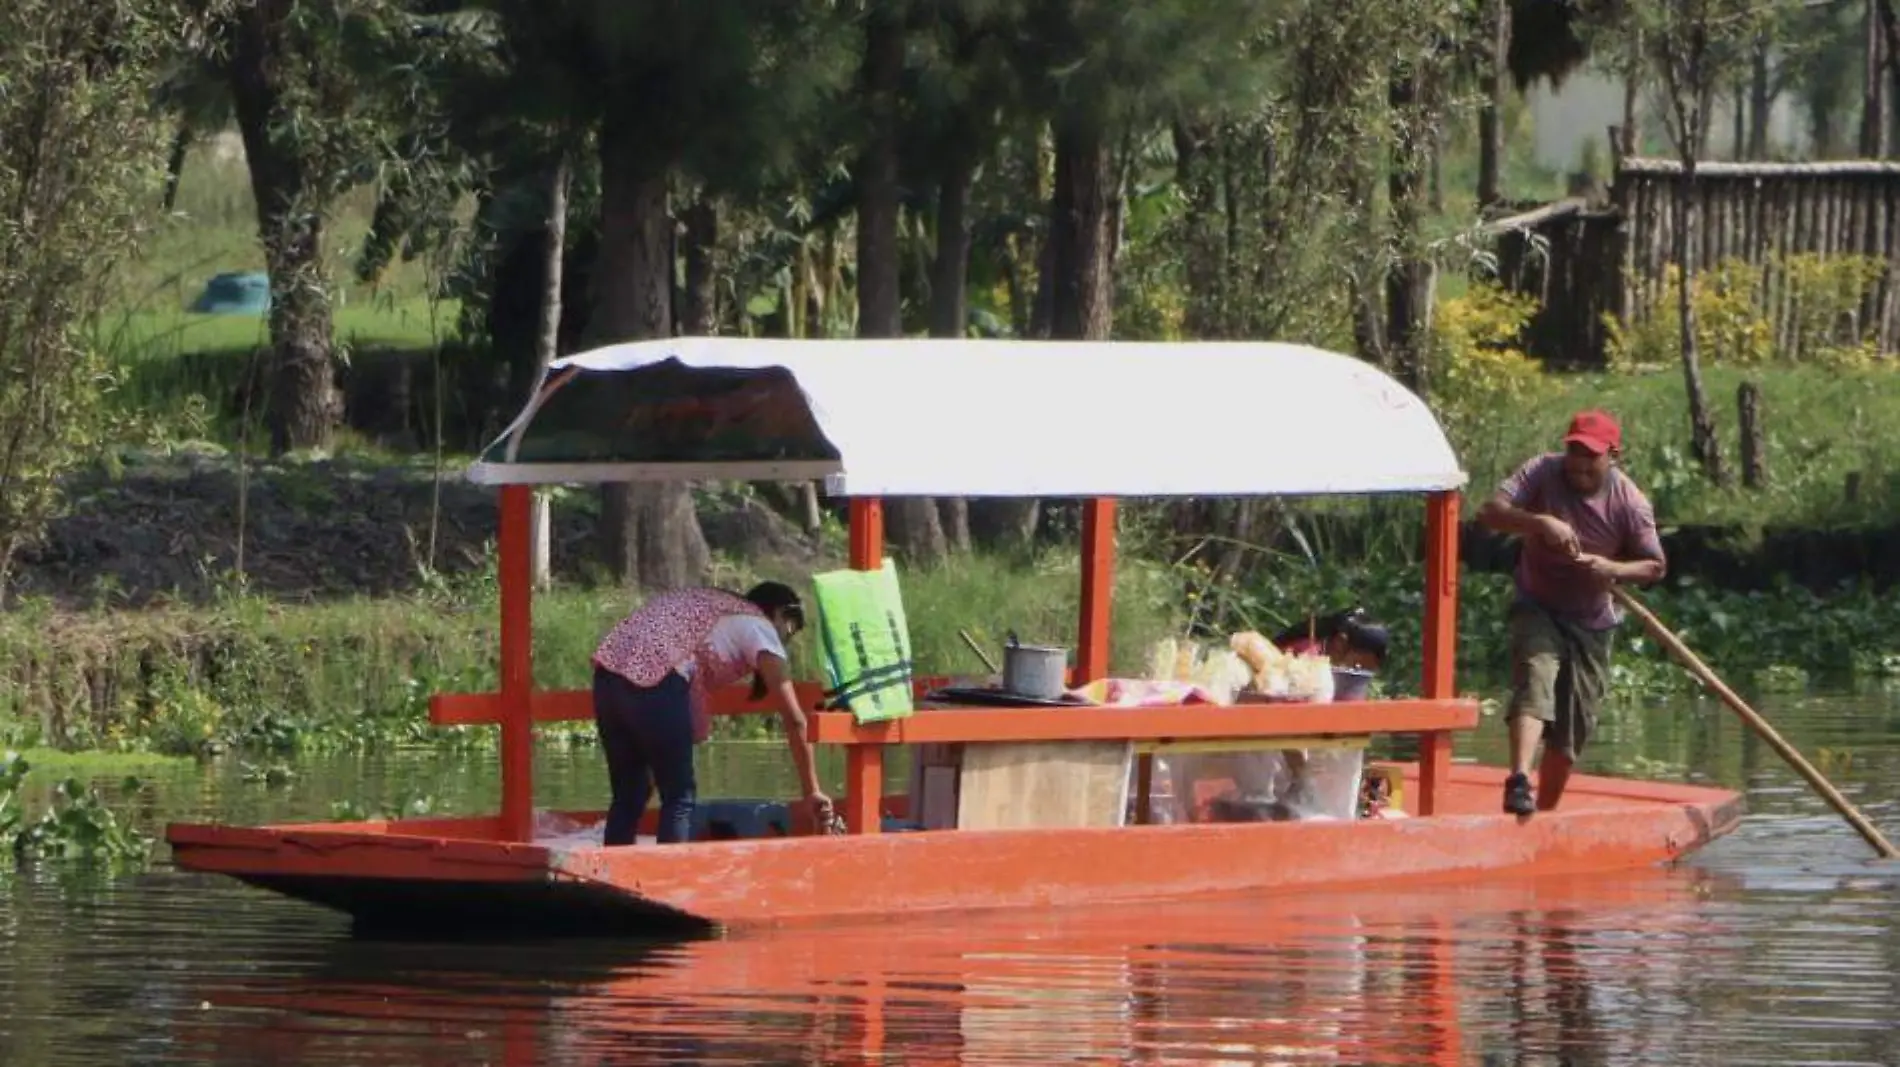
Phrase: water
pixel 1777 945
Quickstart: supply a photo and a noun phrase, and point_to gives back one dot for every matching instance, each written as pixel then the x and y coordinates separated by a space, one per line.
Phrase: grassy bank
pixel 1821 425
pixel 252 674
pixel 259 676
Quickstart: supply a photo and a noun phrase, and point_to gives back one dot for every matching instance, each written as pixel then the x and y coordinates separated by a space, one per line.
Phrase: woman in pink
pixel 652 676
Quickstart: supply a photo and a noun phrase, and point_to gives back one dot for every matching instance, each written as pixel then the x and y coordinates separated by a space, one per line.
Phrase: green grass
pixel 213 229
pixel 256 675
pixel 1819 425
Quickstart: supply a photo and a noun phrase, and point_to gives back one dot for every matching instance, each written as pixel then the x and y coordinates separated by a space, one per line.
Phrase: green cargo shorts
pixel 1559 675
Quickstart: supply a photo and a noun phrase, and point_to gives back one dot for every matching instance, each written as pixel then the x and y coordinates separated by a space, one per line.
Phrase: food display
pixel 1292 784
pixel 1250 668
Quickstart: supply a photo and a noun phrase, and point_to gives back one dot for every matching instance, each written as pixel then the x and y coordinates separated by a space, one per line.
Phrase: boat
pixel 878 419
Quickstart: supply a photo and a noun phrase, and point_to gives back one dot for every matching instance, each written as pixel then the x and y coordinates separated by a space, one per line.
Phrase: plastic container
pixel 1264 787
pixel 1351 683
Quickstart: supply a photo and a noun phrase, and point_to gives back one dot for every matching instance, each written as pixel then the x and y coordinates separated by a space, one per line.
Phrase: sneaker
pixel 1517 795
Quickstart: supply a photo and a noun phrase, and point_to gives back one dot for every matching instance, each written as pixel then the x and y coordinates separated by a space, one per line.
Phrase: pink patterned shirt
pixel 710 636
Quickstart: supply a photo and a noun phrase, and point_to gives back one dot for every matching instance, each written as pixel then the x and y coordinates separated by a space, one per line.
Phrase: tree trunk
pixel 1632 96
pixel 949 272
pixel 1205 256
pixel 1738 136
pixel 949 285
pixel 1890 44
pixel 1368 320
pixel 304 405
pixel 175 161
pixel 547 344
pixel 912 523
pixel 699 306
pixel 649 533
pixel 1408 278
pixel 1703 442
pixel 1079 231
pixel 1491 113
pixel 1008 524
pixel 1873 119
pixel 1761 103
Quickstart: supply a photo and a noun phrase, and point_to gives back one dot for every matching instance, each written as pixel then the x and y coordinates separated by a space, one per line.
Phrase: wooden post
pixel 517 664
pixel 1441 641
pixel 1754 459
pixel 1098 589
pixel 864 764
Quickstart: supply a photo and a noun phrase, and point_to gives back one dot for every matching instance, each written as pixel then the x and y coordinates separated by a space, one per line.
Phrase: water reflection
pixel 1444 976
pixel 1779 944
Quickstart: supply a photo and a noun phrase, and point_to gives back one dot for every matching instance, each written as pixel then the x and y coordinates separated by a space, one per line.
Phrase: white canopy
pixel 977 418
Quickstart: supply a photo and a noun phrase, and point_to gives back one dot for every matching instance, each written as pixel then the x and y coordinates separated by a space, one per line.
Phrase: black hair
pixel 1359 629
pixel 775 598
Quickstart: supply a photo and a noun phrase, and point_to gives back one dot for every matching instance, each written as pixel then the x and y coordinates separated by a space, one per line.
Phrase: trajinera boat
pixel 1109 792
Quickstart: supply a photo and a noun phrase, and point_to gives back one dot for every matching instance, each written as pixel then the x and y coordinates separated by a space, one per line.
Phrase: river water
pixel 1779 944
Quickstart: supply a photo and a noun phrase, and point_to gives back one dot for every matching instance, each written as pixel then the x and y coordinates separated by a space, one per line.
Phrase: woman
pixel 652 676
pixel 1349 639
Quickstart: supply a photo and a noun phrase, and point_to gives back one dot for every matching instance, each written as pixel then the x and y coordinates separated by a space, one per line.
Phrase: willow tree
pixel 81 162
pixel 319 89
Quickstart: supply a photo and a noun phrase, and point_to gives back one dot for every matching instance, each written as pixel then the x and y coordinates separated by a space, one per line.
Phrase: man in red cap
pixel 1585 527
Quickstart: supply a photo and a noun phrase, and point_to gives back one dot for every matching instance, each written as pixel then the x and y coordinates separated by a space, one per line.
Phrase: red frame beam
pixel 1440 640
pixel 517 664
pixel 1180 723
pixel 1098 590
pixel 864 764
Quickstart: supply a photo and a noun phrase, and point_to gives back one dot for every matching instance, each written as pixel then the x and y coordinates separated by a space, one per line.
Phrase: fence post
pixel 1754 456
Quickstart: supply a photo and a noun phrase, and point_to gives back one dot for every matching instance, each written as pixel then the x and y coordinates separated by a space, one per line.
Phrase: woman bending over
pixel 653 674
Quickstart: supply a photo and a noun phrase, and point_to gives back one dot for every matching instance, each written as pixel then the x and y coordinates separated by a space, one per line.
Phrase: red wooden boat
pixel 1053 419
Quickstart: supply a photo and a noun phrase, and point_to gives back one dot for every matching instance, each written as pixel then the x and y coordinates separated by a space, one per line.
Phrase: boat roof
pixel 997 418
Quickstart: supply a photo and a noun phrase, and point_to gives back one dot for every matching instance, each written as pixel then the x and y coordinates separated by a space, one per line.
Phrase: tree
pixel 916 528
pixel 1697 47
pixel 319 88
pixel 739 83
pixel 80 163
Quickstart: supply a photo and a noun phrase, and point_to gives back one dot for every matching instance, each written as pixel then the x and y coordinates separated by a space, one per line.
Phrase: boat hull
pixel 456 877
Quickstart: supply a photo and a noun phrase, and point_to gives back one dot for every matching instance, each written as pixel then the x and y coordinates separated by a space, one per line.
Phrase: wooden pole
pixel 1756 723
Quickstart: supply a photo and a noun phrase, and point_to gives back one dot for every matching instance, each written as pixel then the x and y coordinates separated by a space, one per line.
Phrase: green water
pixel 1779 944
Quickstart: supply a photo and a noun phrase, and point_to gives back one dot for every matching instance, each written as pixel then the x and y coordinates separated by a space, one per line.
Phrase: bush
pixel 1736 321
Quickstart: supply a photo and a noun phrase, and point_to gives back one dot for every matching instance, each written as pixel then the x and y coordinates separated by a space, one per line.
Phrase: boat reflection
pixel 1528 971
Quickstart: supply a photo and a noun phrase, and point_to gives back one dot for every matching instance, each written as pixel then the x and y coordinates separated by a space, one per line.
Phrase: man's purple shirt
pixel 1617 523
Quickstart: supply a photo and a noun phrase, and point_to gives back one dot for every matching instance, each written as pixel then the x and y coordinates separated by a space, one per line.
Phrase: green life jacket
pixel 866 642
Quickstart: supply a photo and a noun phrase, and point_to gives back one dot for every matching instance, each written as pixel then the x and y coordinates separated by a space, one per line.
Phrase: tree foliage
pixel 81 163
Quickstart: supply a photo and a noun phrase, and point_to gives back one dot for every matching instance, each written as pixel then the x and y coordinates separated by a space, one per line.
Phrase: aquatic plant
pixel 78 825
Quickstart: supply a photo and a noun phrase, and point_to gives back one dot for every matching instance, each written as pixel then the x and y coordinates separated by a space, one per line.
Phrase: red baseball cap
pixel 1595 430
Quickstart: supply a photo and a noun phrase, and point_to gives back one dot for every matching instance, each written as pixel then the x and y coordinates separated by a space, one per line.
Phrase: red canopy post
pixel 1098 589
pixel 864 764
pixel 1441 640
pixel 517 665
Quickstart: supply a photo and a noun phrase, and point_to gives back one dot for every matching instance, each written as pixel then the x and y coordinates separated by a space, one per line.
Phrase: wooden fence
pixel 1584 261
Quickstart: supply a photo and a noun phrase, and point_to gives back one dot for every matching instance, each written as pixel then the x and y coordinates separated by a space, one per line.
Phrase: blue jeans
pixel 646 732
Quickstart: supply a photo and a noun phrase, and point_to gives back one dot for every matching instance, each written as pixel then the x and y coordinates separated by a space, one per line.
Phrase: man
pixel 1585 527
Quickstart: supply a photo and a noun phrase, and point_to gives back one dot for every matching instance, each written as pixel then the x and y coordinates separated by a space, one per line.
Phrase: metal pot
pixel 1036 671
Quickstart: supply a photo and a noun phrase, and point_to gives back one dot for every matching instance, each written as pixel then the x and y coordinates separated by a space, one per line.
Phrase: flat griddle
pixel 999 698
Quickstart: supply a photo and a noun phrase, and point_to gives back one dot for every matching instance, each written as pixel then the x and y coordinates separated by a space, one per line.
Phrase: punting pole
pixel 1694 665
